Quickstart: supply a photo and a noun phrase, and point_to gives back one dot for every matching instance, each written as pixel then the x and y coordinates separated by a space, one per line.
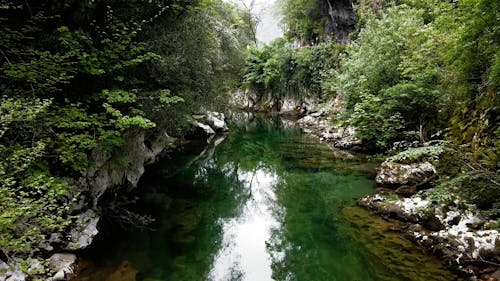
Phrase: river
pixel 268 202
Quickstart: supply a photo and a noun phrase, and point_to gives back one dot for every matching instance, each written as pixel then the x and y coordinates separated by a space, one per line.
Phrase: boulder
pixel 390 173
pixel 217 121
pixel 338 136
pixel 54 240
pixel 345 137
pixel 12 272
pixel 205 125
pixel 206 128
pixel 16 276
pixel 432 223
pixel 63 264
pixel 495 276
pixel 85 230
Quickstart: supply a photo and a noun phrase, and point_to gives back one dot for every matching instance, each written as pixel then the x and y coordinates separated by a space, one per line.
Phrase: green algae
pixel 390 255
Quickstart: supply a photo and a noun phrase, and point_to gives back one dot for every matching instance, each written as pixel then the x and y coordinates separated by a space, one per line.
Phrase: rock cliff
pixel 340 21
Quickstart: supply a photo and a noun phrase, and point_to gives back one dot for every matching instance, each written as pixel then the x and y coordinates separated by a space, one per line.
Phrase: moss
pixel 419 154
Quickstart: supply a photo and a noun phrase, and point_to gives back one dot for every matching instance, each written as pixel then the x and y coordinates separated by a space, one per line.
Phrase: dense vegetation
pixel 304 19
pixel 76 75
pixel 414 71
pixel 276 70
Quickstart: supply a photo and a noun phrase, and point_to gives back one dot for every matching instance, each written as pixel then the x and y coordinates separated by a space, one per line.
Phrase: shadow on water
pixel 267 203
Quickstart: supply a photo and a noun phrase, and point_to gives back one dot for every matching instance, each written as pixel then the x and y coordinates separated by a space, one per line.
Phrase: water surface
pixel 267 203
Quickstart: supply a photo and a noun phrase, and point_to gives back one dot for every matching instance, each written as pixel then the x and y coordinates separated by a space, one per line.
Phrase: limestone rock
pixel 62 263
pixel 108 173
pixel 243 99
pixel 390 173
pixel 14 276
pixel 338 136
pixel 206 125
pixel 495 276
pixel 217 121
pixel 206 128
pixel 290 106
pixel 12 272
pixel 83 233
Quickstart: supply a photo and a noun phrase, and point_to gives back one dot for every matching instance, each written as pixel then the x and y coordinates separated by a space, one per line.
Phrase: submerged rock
pixel 385 247
pixel 457 236
pixel 123 272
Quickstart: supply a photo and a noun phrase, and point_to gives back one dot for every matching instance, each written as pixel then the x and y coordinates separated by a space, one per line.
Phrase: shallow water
pixel 267 203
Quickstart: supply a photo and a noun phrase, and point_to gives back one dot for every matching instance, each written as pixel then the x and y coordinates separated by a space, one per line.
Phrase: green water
pixel 267 203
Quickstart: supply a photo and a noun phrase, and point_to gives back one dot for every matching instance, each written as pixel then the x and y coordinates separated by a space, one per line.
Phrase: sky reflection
pixel 243 254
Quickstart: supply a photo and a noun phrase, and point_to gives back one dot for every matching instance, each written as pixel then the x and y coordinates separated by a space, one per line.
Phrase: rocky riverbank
pixel 57 257
pixel 320 124
pixel 438 220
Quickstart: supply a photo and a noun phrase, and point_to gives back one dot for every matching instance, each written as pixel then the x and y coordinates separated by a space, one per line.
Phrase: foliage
pixel 480 187
pixel 75 76
pixel 419 154
pixel 441 194
pixel 418 68
pixel 386 93
pixel 473 77
pixel 279 70
pixel 31 197
pixel 304 19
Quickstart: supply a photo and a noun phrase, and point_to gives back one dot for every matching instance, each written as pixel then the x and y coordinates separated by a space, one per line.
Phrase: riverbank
pixel 436 218
pixel 103 192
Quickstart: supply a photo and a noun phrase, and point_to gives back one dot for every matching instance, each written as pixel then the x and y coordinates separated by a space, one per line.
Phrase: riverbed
pixel 265 202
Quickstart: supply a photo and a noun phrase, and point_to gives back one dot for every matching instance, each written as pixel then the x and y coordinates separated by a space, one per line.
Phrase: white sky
pixel 268 13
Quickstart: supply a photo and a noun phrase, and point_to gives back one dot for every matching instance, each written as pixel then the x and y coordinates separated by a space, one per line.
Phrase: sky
pixel 268 13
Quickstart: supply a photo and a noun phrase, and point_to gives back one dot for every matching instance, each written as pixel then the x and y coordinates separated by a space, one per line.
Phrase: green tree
pixel 390 86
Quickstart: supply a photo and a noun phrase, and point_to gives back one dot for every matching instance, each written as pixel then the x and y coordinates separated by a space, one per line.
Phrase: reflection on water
pixel 243 254
pixel 267 203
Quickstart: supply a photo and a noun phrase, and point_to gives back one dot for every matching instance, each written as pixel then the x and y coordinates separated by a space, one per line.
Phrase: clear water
pixel 267 203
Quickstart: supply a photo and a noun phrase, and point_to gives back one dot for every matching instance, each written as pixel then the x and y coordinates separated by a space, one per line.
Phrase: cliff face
pixel 340 21
pixel 110 172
